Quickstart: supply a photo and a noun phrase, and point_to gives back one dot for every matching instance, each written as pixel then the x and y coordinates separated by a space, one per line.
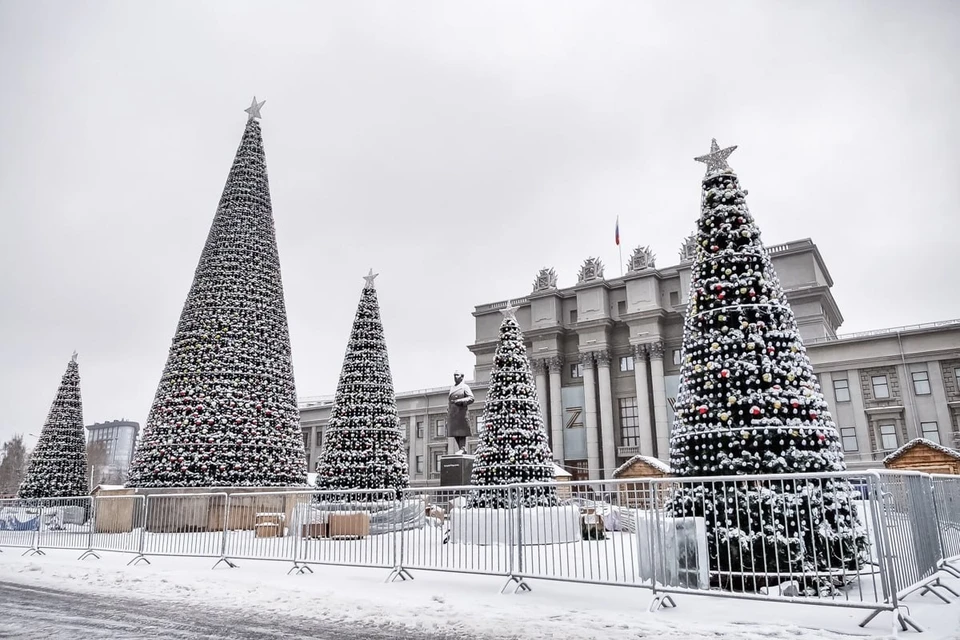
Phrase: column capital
pixel 586 359
pixel 640 352
pixel 603 357
pixel 656 350
pixel 555 363
pixel 539 366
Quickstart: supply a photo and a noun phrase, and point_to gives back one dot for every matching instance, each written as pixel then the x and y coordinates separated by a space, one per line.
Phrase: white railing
pixel 899 532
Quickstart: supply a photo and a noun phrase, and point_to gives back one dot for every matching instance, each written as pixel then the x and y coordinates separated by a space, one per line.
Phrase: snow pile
pixel 462 605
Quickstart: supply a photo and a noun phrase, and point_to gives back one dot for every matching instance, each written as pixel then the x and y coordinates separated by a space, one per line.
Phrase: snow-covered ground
pixel 468 604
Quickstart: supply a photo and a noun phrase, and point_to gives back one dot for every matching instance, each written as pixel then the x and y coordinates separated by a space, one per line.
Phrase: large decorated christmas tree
pixel 512 446
pixel 58 464
pixel 225 412
pixel 363 443
pixel 749 403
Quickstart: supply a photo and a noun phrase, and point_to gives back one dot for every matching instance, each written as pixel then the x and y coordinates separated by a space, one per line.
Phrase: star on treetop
pixel 510 311
pixel 716 160
pixel 253 110
pixel 73 358
pixel 370 278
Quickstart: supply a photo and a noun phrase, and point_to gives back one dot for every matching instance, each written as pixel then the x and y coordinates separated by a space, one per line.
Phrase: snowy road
pixel 39 612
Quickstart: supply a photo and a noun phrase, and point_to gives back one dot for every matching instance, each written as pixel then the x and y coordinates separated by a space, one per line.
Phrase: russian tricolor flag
pixel 618 231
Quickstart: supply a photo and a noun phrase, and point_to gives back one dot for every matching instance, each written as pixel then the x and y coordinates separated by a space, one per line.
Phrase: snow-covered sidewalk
pixel 467 604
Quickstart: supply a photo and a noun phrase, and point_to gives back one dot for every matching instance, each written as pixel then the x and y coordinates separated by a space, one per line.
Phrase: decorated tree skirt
pixel 537 525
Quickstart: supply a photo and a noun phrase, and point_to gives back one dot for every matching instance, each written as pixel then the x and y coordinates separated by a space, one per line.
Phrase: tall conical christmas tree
pixel 513 444
pixel 225 412
pixel 749 403
pixel 58 464
pixel 363 443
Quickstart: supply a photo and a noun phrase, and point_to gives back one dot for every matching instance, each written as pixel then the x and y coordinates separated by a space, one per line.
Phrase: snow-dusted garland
pixel 363 443
pixel 58 464
pixel 749 403
pixel 513 446
pixel 225 412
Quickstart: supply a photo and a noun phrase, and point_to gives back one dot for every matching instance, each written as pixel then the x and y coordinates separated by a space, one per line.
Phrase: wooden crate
pixel 314 530
pixel 348 525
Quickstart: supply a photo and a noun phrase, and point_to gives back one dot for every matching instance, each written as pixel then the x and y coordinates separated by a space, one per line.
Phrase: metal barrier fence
pixel 456 539
pixel 946 498
pixel 861 540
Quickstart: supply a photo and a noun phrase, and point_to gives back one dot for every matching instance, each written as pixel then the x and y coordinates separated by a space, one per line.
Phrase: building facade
pixel 606 356
pixel 110 450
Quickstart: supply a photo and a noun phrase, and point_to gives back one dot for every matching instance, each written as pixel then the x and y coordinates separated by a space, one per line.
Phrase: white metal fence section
pixel 946 497
pixel 19 524
pixel 356 528
pixel 451 537
pixel 199 519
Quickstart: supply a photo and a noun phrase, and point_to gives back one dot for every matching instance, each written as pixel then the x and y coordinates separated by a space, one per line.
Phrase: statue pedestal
pixel 455 470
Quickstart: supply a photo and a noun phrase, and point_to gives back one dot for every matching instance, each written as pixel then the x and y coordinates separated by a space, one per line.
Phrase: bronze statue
pixel 458 425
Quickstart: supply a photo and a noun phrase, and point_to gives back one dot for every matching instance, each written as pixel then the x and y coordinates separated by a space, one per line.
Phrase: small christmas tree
pixel 225 412
pixel 58 464
pixel 363 443
pixel 513 446
pixel 749 403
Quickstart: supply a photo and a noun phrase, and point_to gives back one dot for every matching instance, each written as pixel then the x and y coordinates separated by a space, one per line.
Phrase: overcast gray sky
pixel 456 148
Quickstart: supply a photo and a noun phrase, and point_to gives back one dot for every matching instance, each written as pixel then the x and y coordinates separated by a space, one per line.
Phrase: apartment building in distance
pixel 606 357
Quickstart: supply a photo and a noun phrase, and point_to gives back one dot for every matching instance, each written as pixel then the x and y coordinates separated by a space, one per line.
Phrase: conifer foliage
pixel 513 446
pixel 225 412
pixel 363 446
pixel 58 464
pixel 749 403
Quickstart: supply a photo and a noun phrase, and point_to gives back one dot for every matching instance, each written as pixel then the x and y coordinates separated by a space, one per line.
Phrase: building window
pixel 676 357
pixel 674 298
pixel 573 316
pixel 626 363
pixel 921 383
pixel 849 437
pixel 419 465
pixel 306 441
pixel 841 389
pixel 441 425
pixel 621 307
pixel 480 424
pixel 419 428
pixel 576 370
pixel 319 438
pixel 629 422
pixel 880 387
pixel 956 378
pixel 929 431
pixel 436 461
pixel 888 436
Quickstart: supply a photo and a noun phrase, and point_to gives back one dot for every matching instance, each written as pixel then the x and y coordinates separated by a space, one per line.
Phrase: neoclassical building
pixel 606 356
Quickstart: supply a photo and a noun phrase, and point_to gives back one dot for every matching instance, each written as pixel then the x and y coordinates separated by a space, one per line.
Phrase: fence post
pixel 140 557
pixel 91 520
pixel 223 538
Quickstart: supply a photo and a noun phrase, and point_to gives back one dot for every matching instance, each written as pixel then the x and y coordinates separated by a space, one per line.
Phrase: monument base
pixel 455 470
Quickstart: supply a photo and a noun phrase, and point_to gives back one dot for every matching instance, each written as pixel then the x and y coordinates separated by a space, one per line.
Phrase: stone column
pixel 590 415
pixel 608 439
pixel 412 439
pixel 659 400
pixel 641 358
pixel 539 367
pixel 556 408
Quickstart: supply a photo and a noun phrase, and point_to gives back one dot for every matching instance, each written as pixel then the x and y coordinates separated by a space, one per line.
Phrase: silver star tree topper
pixel 253 111
pixel 510 311
pixel 716 160
pixel 370 277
